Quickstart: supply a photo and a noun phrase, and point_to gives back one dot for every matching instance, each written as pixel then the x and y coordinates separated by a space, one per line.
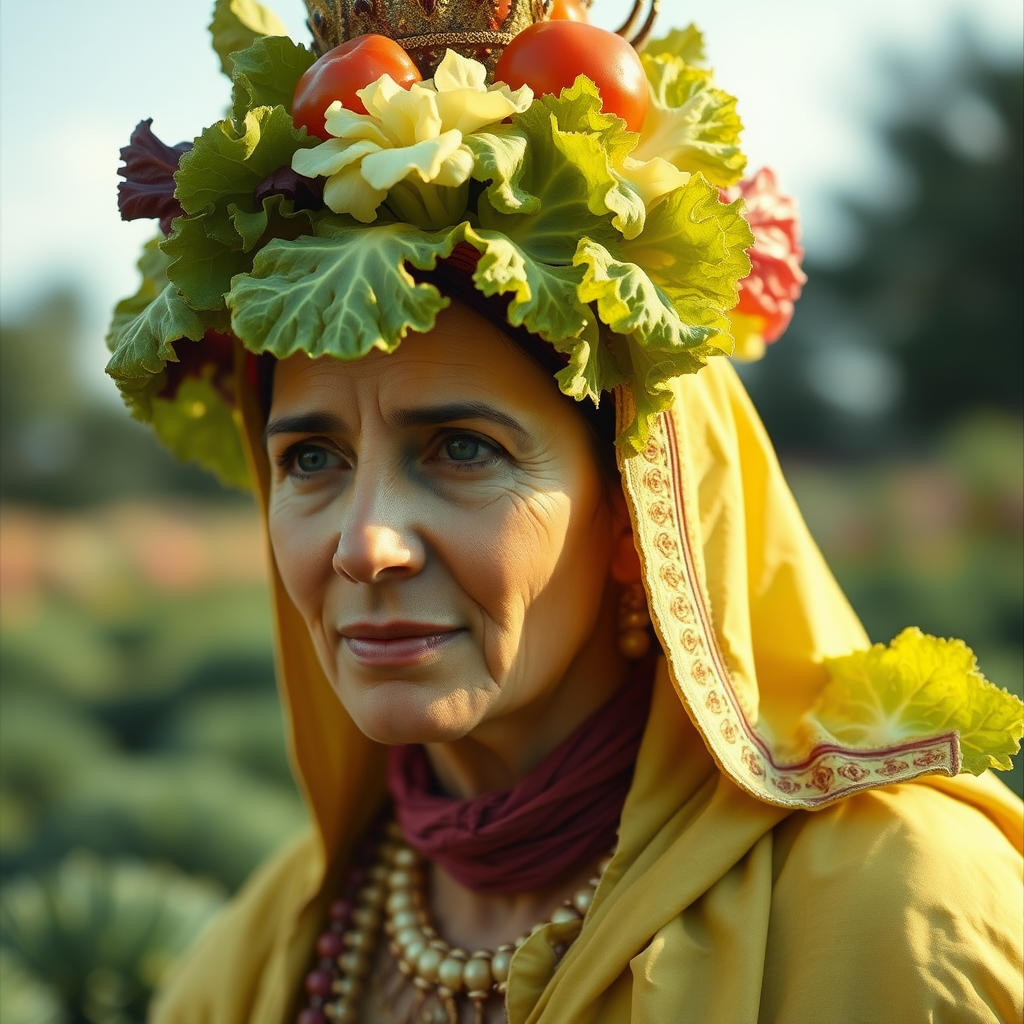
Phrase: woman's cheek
pixel 506 569
pixel 303 553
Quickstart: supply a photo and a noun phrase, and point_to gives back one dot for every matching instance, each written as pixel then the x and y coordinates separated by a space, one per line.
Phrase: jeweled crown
pixel 480 29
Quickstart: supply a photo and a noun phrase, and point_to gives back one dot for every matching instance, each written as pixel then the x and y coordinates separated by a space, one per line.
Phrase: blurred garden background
pixel 142 763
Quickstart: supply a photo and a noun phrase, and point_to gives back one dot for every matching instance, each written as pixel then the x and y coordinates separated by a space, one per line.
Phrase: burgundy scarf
pixel 565 811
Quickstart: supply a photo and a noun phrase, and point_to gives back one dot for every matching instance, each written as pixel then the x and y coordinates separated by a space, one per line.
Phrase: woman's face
pixel 440 521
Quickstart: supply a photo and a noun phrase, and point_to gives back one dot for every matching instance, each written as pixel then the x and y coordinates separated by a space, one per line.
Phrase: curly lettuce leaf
pixel 546 301
pixel 198 425
pixel 592 367
pixel 144 345
pixel 266 74
pixel 689 122
pixel 152 266
pixel 202 264
pixel 237 24
pixel 216 186
pixel 629 302
pixel 693 248
pixel 499 160
pixel 685 43
pixel 229 160
pixel 544 298
pixel 648 338
pixel 921 686
pixel 337 293
pixel 566 185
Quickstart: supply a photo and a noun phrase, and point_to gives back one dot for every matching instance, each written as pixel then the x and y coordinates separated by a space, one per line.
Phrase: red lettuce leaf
pixel 148 188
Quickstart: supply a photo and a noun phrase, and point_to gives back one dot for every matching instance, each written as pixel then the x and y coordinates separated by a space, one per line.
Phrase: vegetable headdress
pixel 308 220
pixel 622 249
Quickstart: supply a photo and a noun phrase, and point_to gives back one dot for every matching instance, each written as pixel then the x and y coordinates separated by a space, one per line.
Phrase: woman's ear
pixel 625 565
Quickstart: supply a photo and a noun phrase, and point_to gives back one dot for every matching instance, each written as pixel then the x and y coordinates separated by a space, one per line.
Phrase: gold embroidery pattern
pixel 655 484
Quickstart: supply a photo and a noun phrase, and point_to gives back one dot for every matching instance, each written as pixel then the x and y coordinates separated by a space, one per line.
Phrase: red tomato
pixel 340 73
pixel 568 10
pixel 549 55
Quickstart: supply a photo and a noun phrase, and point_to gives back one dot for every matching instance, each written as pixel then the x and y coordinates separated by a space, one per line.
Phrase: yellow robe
pixel 764 872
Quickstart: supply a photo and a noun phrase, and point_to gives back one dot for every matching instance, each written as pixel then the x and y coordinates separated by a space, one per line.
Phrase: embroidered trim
pixel 655 484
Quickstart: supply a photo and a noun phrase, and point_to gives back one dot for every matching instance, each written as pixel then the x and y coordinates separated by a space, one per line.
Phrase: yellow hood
pixel 745 609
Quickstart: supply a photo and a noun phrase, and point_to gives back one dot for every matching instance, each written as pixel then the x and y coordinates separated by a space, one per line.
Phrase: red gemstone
pixel 318 983
pixel 341 911
pixel 330 945
pixel 311 1016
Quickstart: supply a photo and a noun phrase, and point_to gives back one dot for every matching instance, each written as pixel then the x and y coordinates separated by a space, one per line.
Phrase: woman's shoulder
pixel 238 971
pixel 899 899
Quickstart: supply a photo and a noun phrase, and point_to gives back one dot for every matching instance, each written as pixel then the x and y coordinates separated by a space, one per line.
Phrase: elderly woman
pixel 586 729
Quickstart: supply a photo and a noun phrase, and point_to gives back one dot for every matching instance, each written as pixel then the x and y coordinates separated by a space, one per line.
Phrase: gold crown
pixel 426 28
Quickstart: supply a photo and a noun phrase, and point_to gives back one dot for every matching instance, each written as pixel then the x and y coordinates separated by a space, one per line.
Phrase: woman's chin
pixel 402 712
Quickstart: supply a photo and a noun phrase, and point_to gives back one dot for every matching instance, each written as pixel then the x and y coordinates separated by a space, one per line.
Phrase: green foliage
pixel 24 998
pixel 558 221
pixel 199 425
pixel 237 24
pixel 684 43
pixel 929 297
pixel 690 123
pixel 101 935
pixel 266 74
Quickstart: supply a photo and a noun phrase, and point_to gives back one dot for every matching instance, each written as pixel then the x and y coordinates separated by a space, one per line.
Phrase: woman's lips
pixel 397 644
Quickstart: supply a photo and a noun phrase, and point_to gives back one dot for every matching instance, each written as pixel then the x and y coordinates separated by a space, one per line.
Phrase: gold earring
pixel 634 637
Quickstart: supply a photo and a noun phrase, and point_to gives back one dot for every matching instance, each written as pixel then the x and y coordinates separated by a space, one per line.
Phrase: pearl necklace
pixel 391 896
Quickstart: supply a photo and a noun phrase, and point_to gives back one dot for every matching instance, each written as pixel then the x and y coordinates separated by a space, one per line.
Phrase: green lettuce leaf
pixel 152 266
pixel 649 340
pixel 228 161
pixel 202 265
pixel 143 346
pixel 690 123
pixel 198 425
pixel 215 186
pixel 592 367
pixel 693 248
pixel 568 161
pixel 339 293
pixel 544 298
pixel 237 24
pixel 500 158
pixel 921 686
pixel 685 43
pixel 266 74
pixel 629 302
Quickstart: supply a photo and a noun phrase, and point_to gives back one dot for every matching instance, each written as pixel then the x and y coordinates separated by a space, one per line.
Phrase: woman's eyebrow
pixel 304 423
pixel 457 411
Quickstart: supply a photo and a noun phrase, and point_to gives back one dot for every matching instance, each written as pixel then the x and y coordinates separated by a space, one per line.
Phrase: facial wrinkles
pixel 501 551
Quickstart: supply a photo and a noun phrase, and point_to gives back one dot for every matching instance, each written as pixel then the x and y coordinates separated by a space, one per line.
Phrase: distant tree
pixel 60 444
pixel 923 323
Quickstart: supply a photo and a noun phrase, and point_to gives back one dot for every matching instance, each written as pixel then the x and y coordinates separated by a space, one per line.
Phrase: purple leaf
pixel 306 193
pixel 148 188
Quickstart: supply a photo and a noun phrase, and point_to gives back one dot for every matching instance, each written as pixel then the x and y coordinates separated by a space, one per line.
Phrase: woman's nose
pixel 377 541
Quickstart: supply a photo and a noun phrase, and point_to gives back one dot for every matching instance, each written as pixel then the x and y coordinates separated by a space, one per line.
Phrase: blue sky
pixel 77 77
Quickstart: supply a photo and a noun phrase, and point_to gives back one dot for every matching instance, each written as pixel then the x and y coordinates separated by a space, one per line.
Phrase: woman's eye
pixel 463 449
pixel 467 450
pixel 308 460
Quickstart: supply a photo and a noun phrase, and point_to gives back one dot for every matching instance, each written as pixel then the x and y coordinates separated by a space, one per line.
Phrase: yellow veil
pixel 727 900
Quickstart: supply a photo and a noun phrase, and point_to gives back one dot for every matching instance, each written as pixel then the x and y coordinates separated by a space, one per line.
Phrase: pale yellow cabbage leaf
pixel 918 686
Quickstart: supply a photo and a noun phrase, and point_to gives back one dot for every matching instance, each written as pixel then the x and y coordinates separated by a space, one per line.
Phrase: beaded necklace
pixel 389 896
